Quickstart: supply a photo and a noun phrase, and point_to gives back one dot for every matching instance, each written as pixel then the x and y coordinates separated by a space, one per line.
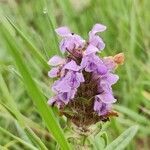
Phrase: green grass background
pixel 26 47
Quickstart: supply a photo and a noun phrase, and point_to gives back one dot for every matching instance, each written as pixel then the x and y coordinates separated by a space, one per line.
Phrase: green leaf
pixel 101 140
pixel 135 116
pixel 3 148
pixel 35 139
pixel 18 139
pixel 123 140
pixel 35 51
pixel 8 110
pixel 34 91
pixel 10 105
pixel 70 17
pixel 105 137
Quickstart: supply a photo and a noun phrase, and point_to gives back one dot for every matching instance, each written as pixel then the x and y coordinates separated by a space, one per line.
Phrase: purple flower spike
pixel 84 80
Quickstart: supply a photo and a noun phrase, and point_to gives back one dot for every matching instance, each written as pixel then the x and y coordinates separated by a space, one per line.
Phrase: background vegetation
pixel 27 41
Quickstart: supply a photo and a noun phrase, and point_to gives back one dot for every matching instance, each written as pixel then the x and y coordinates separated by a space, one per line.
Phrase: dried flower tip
pixel 119 58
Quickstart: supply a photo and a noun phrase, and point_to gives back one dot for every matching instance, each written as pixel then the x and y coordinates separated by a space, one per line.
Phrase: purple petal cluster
pixel 81 69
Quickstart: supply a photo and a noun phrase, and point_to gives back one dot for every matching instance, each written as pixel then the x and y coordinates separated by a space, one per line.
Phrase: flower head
pixel 94 39
pixel 70 41
pixel 84 80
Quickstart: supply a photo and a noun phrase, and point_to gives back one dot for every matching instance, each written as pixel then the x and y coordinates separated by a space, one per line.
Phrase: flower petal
pixel 72 66
pixel 80 77
pixel 98 28
pixel 101 69
pixel 96 41
pixel 63 31
pixel 101 108
pixel 56 60
pixel 112 78
pixel 53 72
pixel 106 98
pixel 61 86
pixel 109 62
pixel 91 49
pixel 71 42
pixel 51 101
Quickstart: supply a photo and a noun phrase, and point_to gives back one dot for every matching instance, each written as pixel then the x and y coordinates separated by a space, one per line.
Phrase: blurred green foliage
pixel 128 31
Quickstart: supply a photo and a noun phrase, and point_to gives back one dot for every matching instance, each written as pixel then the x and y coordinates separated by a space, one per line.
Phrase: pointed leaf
pixel 123 140
pixel 34 91
pixel 33 48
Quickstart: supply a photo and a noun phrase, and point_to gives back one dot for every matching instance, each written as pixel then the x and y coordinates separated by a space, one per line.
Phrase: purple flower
pixel 92 63
pixel 56 61
pixel 63 31
pixel 72 66
pixel 109 62
pixel 74 79
pixel 65 97
pixel 61 85
pixel 98 28
pixel 110 78
pixel 66 86
pixel 106 97
pixel 56 101
pixel 105 89
pixel 70 40
pixel 100 107
pixel 84 80
pixel 71 80
pixel 94 39
pixel 54 72
pixel 91 50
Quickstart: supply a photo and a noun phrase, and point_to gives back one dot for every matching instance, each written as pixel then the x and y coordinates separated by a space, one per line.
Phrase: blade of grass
pixel 11 143
pixel 21 132
pixel 11 106
pixel 123 140
pixel 3 148
pixel 54 33
pixel 35 139
pixel 33 48
pixel 52 23
pixel 135 116
pixel 9 110
pixel 69 13
pixel 35 93
pixel 27 121
pixel 18 139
